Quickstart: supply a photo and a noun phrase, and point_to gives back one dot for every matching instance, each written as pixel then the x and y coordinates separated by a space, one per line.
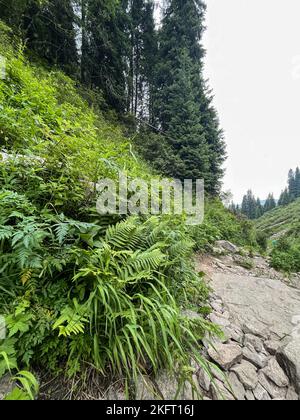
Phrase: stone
pixel 261 394
pixel 292 395
pixel 226 355
pixel 227 246
pixel 219 320
pixel 250 396
pixel 6 386
pixel 115 394
pixel 234 333
pixel 274 372
pixel 258 360
pixel 237 388
pixel 217 307
pixel 272 346
pixel 263 307
pixel 204 380
pixel 168 387
pixel 289 359
pixel 255 341
pixel 191 314
pixel 247 374
pixel 219 392
pixel 146 390
pixel 255 329
pixel 270 387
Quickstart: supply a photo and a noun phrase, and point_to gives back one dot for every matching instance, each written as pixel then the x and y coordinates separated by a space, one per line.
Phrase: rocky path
pixel 260 317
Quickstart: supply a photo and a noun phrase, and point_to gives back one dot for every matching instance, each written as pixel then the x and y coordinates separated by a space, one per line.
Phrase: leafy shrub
pixel 78 289
pixel 285 255
pixel 220 223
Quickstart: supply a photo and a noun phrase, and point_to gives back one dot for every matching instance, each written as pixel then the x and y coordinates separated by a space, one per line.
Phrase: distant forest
pixel 253 207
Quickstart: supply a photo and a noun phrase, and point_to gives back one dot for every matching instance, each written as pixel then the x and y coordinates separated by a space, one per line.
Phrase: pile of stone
pixel 249 366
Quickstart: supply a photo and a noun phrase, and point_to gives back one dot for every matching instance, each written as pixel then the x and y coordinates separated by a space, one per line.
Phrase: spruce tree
pixel 292 185
pixel 270 203
pixel 259 209
pixel 182 106
pixel 105 46
pixel 141 57
pixel 297 182
pixel 285 198
pixel 49 30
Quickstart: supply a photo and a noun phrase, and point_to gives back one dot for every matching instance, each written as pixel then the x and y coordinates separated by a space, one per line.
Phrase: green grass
pixel 280 220
pixel 282 227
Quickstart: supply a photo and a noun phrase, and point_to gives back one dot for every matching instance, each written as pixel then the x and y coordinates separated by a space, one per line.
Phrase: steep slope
pixel 81 290
pixel 281 221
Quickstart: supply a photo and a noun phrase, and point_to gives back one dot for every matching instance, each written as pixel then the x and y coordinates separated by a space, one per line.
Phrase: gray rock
pixel 236 387
pixel 226 355
pixel 191 314
pixel 274 372
pixel 219 392
pixel 289 358
pixel 261 394
pixel 250 396
pixel 292 395
pixel 255 341
pixel 263 307
pixel 146 390
pixel 219 320
pixel 6 386
pixel 272 346
pixel 255 328
pixel 169 389
pixel 115 394
pixel 227 246
pixel 217 307
pixel 271 388
pixel 258 360
pixel 247 374
pixel 234 333
pixel 204 380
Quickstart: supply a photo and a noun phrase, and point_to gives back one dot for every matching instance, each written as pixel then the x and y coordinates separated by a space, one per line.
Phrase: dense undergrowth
pixel 282 228
pixel 78 289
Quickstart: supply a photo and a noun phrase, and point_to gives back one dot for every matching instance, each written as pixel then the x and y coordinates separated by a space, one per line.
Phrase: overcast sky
pixel 253 63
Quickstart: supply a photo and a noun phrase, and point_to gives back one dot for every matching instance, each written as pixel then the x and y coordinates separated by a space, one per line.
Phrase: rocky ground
pixel 259 312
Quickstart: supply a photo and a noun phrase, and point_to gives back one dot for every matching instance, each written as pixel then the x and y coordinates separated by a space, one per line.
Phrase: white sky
pixel 253 63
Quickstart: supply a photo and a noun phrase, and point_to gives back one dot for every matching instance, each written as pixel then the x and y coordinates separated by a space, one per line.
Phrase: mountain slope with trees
pixel 153 76
pixel 79 289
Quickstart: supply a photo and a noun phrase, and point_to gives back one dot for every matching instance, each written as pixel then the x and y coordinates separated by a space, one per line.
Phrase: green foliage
pixel 193 145
pixel 281 228
pixel 285 255
pixel 221 223
pixel 27 389
pixel 80 289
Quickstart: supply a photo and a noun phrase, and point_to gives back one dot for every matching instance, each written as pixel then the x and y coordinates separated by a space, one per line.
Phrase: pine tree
pixel 105 46
pixel 285 198
pixel 270 203
pixel 142 55
pixel 292 184
pixel 249 205
pixel 182 106
pixel 297 182
pixel 259 209
pixel 49 30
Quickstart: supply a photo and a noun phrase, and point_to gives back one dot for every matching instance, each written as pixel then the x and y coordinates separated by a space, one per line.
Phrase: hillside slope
pixel 280 221
pixel 80 292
